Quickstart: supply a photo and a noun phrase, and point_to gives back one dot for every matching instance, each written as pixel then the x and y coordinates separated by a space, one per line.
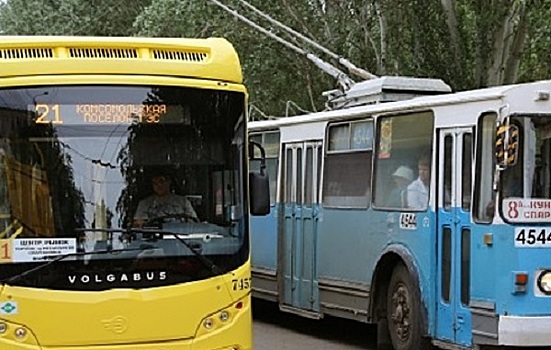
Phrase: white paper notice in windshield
pixel 35 249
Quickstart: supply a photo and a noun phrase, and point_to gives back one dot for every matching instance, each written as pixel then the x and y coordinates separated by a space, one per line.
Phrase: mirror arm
pixel 253 144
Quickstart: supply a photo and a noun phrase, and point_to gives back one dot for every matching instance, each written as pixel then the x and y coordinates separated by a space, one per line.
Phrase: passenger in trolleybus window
pixel 163 203
pixel 402 177
pixel 418 190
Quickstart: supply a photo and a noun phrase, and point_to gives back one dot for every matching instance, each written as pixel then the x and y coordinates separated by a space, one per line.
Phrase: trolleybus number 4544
pixel 533 237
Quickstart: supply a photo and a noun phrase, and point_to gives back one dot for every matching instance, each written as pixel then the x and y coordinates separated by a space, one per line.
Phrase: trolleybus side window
pixel 448 160
pixel 466 173
pixel 270 141
pixel 312 174
pixel 539 157
pixel 524 176
pixel 466 178
pixel 403 147
pixel 516 180
pixel 484 204
pixel 347 171
pixel 534 152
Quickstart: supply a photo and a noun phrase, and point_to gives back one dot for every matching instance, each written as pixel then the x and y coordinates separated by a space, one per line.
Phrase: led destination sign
pixel 95 113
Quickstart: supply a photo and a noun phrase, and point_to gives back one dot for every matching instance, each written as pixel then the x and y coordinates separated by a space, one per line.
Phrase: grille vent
pixel 179 55
pixel 102 53
pixel 10 54
pixel 84 52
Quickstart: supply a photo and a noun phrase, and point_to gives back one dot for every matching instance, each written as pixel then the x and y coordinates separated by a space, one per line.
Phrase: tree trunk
pixel 517 47
pixel 456 44
pixel 383 46
pixel 505 38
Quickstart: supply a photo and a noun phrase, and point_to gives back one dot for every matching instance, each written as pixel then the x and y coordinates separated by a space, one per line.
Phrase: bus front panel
pixel 123 217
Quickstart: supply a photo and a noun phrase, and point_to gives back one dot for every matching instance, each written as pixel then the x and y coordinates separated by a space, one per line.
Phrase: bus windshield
pixel 138 185
pixel 526 186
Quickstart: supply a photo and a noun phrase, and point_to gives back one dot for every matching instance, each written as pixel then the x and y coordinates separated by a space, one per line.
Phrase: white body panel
pixel 524 331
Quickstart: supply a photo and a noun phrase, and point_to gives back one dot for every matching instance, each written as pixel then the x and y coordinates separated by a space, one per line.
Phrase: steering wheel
pixel 159 220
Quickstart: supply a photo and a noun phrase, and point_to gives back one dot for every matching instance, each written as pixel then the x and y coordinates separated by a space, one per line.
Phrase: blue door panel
pixel 264 240
pixel 454 240
pixel 300 223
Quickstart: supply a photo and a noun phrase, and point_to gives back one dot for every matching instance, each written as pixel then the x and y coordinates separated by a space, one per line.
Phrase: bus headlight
pixel 20 333
pixel 210 322
pixel 11 333
pixel 224 316
pixel 207 323
pixel 544 282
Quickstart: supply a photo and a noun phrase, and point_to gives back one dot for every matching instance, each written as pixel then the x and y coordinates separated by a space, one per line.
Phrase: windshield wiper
pixel 215 270
pixel 68 255
pixel 211 266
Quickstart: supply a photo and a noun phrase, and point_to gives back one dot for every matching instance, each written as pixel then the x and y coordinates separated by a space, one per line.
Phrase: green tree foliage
pixel 535 62
pixel 467 43
pixel 263 59
pixel 70 17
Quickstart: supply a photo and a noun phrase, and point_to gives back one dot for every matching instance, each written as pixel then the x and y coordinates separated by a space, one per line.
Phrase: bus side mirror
pixel 507 143
pixel 259 184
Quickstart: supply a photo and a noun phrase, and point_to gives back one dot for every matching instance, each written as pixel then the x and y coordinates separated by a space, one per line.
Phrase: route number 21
pixel 46 114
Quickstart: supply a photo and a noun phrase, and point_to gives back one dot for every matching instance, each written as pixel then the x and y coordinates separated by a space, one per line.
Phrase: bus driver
pixel 163 203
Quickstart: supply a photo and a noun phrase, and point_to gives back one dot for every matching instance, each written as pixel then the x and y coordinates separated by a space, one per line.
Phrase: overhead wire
pixel 362 73
pixel 342 78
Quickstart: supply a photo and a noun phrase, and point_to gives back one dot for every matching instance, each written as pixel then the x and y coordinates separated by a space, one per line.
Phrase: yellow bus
pixel 125 194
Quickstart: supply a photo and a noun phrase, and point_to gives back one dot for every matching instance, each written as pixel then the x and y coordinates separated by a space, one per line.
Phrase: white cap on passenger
pixel 405 172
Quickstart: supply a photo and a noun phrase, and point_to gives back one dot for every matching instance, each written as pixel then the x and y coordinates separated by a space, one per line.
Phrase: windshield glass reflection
pixel 146 173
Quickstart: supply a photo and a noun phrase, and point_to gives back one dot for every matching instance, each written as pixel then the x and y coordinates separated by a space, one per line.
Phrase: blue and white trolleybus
pixel 428 216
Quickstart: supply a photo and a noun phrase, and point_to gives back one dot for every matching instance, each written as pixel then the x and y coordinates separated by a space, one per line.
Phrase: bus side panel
pixel 264 255
pixel 350 244
pixel 493 281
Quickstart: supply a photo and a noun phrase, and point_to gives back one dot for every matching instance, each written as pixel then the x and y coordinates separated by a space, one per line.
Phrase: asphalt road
pixel 274 329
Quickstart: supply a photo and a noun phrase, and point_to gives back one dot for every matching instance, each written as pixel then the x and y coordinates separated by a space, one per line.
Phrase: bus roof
pixel 211 58
pixel 515 95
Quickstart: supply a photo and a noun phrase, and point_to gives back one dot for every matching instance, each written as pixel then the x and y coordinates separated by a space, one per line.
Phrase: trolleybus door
pixel 298 235
pixel 454 236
